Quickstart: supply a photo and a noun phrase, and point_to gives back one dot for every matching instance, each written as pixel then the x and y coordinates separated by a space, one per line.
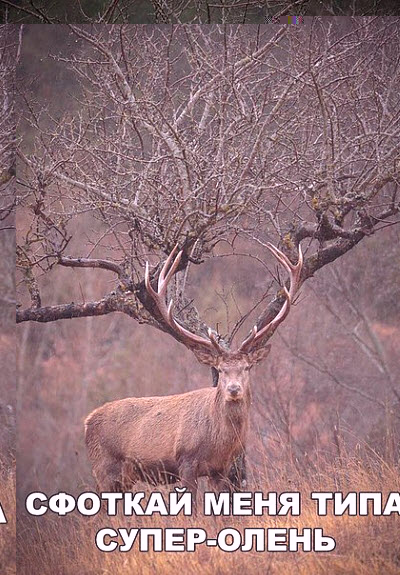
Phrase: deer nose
pixel 234 389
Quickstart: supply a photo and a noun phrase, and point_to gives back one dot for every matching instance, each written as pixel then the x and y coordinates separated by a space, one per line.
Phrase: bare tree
pixel 197 137
pixel 10 44
pixel 186 11
pixel 9 54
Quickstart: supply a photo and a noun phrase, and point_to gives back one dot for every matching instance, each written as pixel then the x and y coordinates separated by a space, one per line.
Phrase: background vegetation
pixel 9 54
pixel 186 11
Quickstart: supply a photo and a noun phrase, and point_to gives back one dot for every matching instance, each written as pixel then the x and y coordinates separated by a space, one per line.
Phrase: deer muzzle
pixel 234 391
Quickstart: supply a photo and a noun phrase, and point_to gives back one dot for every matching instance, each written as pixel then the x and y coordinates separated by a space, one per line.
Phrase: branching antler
pixel 294 273
pixel 159 297
pixel 192 340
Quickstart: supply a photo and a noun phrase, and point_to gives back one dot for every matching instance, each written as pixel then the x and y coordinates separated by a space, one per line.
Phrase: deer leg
pixel 109 476
pixel 222 483
pixel 237 473
pixel 189 479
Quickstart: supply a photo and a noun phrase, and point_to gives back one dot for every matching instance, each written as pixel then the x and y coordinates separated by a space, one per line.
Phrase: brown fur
pixel 177 437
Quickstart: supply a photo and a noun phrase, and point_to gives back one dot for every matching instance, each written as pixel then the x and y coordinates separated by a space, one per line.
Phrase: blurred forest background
pixel 9 42
pixel 8 52
pixel 7 341
pixel 330 385
pixel 186 11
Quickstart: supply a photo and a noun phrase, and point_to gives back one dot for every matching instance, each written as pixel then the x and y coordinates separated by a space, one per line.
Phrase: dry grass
pixel 7 531
pixel 365 545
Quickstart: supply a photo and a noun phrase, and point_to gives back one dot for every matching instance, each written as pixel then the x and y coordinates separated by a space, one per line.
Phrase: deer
pixel 183 437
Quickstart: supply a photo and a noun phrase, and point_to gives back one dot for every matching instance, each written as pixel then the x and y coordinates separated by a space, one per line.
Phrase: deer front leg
pixel 237 473
pixel 221 482
pixel 189 478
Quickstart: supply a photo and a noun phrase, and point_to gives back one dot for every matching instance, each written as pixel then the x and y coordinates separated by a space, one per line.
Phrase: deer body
pixel 190 435
pixel 164 439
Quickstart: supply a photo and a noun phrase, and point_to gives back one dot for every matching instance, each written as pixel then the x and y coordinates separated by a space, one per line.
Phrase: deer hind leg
pixel 109 476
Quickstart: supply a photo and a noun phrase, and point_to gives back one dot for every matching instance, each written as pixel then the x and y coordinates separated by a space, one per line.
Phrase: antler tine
pixel 147 281
pixel 159 297
pixel 255 335
pixel 214 341
pixel 294 273
pixel 293 269
pixel 280 256
pixel 249 338
pixel 164 277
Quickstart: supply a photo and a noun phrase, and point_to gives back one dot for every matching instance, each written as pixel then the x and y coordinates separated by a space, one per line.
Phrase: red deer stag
pixel 193 434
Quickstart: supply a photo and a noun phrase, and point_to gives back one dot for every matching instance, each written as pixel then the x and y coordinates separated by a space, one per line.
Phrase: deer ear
pixel 205 356
pixel 259 354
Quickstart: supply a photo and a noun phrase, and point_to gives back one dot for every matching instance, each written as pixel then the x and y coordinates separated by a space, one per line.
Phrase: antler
pixel 294 274
pixel 159 298
pixel 193 340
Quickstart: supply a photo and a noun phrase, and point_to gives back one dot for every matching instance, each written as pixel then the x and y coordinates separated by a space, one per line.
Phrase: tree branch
pixel 104 306
pixel 67 261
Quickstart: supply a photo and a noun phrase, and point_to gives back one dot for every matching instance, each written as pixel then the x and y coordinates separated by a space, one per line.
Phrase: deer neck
pixel 233 413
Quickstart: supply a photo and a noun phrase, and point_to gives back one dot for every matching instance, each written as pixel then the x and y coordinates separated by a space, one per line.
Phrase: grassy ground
pixel 7 531
pixel 365 545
